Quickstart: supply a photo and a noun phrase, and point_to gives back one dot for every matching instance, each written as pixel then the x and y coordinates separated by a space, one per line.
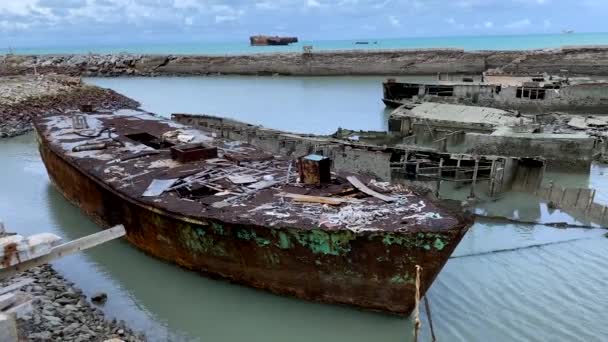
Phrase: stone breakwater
pixel 23 97
pixel 577 60
pixel 62 312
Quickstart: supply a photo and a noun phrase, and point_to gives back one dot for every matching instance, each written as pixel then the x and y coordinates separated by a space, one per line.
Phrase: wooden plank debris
pixel 242 179
pixel 7 300
pixel 317 199
pixel 63 250
pixel 23 305
pixel 15 286
pixel 363 188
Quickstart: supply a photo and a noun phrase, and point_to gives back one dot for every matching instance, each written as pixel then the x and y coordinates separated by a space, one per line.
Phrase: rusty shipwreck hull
pixel 372 270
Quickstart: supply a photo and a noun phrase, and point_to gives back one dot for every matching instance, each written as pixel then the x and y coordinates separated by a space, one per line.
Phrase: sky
pixel 28 23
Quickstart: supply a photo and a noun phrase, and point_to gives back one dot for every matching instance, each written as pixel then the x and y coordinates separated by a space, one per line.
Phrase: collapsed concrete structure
pixel 453 128
pixel 397 163
pixel 532 95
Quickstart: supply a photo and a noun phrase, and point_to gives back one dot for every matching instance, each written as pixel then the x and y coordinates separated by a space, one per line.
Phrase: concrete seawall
pixel 577 60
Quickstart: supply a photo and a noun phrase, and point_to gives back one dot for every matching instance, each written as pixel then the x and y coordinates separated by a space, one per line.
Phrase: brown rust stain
pixel 10 251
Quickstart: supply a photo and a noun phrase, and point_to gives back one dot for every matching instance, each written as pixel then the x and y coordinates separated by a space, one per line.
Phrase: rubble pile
pixel 24 97
pixel 62 312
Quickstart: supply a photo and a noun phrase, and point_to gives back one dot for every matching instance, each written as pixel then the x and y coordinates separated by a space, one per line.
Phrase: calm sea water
pixel 504 282
pixel 518 42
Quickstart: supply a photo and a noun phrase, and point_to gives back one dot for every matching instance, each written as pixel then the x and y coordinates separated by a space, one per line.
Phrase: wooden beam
pixel 15 286
pixel 23 307
pixel 472 194
pixel 363 188
pixel 317 199
pixel 7 300
pixel 65 249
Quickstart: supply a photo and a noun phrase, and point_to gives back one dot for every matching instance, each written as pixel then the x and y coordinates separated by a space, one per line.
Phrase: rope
pixel 98 134
pixel 428 316
pixel 519 248
pixel 417 322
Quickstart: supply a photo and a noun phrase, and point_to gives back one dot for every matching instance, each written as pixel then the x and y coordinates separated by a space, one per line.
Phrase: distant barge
pixel 227 209
pixel 532 95
pixel 269 40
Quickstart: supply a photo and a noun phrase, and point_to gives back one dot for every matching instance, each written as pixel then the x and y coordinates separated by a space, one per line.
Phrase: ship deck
pixel 128 151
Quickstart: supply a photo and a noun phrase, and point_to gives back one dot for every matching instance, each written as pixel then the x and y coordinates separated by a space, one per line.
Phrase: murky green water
pixel 555 291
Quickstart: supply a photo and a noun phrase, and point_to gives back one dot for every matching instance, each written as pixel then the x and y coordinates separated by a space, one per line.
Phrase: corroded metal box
pixel 86 108
pixel 314 169
pixel 192 152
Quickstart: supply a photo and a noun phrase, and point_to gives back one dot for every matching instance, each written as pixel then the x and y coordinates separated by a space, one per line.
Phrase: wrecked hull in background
pixel 261 40
pixel 369 269
pixel 530 95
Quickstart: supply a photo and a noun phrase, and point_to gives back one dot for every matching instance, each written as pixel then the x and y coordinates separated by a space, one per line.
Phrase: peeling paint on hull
pixel 368 270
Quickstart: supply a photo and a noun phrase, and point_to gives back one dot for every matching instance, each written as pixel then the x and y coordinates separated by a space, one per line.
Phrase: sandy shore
pixel 585 61
pixel 23 97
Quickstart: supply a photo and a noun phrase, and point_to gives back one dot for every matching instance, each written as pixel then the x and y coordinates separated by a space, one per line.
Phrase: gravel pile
pixel 63 313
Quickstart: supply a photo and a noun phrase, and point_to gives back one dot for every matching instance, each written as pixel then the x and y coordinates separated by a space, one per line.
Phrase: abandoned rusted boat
pixel 527 94
pixel 261 40
pixel 227 209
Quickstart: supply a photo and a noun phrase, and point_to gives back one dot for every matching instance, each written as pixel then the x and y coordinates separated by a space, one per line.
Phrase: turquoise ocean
pixel 469 43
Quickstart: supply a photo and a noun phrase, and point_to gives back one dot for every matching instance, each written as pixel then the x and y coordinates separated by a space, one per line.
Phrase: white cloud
pixel 451 21
pixel 313 3
pixel 266 5
pixel 488 24
pixel 21 7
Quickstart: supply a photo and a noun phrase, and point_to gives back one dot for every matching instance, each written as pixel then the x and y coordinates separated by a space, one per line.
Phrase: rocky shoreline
pixel 24 97
pixel 583 61
pixel 63 313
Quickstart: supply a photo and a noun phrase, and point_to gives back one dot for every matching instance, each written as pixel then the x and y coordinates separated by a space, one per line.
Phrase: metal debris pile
pixel 357 215
pixel 225 178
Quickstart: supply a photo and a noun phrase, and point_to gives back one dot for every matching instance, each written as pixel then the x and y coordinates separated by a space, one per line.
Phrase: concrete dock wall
pixel 370 161
pixel 561 151
pixel 578 61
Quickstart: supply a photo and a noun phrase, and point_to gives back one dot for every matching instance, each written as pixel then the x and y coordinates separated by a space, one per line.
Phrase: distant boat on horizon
pixel 567 31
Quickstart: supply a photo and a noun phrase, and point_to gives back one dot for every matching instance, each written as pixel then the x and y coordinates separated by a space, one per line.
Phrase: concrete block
pixel 8 328
pixel 16 248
